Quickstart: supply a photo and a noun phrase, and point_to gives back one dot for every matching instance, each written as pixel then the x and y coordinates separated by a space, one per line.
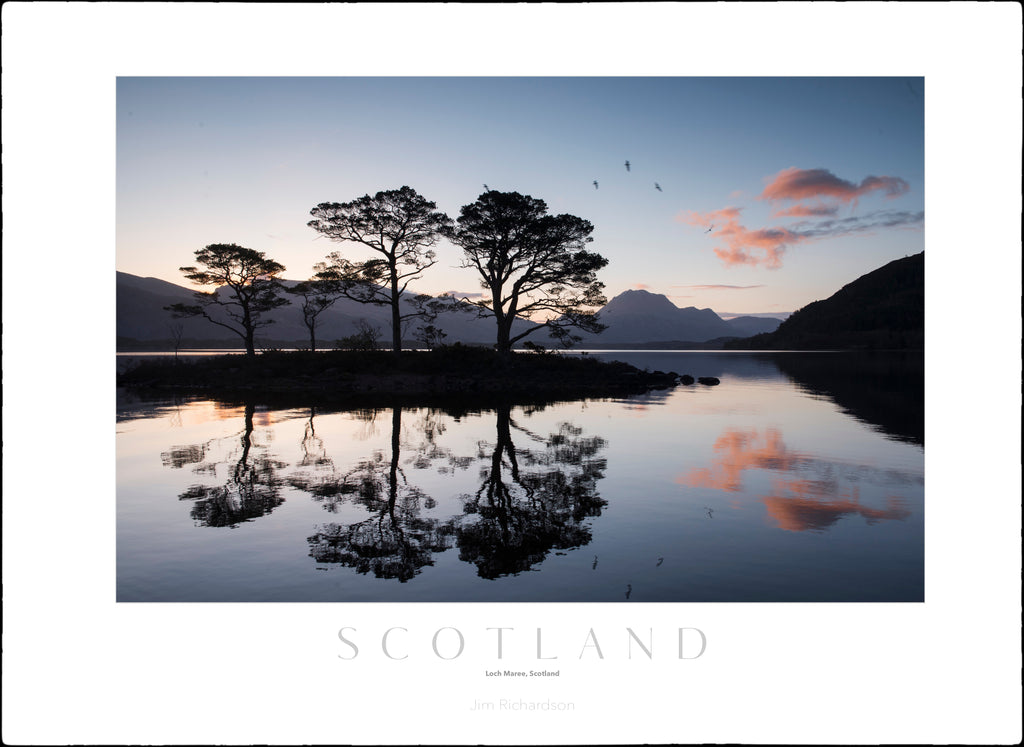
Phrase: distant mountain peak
pixel 640 302
pixel 638 316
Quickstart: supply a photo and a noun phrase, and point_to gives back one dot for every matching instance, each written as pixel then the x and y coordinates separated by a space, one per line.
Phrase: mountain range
pixel 639 316
pixel 634 318
pixel 143 323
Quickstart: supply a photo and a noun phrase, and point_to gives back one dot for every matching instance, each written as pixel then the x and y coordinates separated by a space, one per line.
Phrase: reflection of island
pixel 534 497
pixel 885 390
pixel 252 489
pixel 531 501
pixel 797 503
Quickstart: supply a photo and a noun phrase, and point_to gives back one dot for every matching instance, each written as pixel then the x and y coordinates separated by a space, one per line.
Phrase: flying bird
pixel 709 230
pixel 627 165
pixel 595 184
pixel 629 590
pixel 660 561
pixel 594 566
pixel 658 187
pixel 486 188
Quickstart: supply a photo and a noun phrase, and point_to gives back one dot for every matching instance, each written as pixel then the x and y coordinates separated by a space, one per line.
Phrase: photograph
pixel 552 339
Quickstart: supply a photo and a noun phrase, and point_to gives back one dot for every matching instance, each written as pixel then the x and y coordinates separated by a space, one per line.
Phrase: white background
pixel 78 667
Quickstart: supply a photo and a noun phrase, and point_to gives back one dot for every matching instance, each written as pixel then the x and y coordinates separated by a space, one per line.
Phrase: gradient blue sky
pixel 242 160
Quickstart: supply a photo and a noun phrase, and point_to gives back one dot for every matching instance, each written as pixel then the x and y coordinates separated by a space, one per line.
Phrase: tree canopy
pixel 399 225
pixel 533 264
pixel 246 289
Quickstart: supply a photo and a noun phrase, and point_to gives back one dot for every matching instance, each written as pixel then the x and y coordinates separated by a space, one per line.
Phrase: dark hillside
pixel 883 310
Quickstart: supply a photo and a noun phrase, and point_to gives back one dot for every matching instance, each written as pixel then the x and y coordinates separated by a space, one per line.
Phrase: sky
pixel 744 195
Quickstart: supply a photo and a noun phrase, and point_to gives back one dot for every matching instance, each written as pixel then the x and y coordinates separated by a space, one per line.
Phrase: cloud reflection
pixel 799 502
pixel 813 505
pixel 738 450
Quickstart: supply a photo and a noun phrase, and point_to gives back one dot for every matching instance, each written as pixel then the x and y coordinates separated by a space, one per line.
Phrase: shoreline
pixel 448 372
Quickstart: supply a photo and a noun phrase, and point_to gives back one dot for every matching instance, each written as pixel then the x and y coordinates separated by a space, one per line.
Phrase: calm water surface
pixel 799 478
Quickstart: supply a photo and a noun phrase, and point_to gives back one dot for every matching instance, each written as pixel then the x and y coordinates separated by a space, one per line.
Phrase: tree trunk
pixel 396 326
pixel 396 311
pixel 504 333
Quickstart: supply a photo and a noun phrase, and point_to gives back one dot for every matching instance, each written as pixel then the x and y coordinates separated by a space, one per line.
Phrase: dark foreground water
pixel 799 478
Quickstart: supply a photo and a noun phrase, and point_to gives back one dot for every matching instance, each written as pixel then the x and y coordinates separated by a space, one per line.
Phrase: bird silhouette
pixel 710 512
pixel 709 230
pixel 660 561
pixel 486 188
pixel 658 187
pixel 595 184
pixel 629 590
pixel 627 165
pixel 594 566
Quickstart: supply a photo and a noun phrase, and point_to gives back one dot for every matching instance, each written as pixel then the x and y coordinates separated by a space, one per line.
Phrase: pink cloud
pixel 813 193
pixel 808 211
pixel 766 246
pixel 804 184
pixel 744 246
pixel 642 286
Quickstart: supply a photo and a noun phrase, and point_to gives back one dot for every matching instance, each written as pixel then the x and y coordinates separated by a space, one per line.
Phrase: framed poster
pixel 770 557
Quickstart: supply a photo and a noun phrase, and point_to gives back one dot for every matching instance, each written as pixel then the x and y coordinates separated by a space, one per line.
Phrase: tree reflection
pixel 252 489
pixel 533 498
pixel 321 479
pixel 396 540
pixel 531 501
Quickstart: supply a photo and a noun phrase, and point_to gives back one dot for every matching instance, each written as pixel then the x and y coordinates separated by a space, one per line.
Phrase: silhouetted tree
pixel 430 336
pixel 247 288
pixel 365 337
pixel 177 330
pixel 317 295
pixel 399 225
pixel 533 264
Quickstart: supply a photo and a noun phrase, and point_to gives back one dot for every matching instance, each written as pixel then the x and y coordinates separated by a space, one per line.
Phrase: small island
pixel 455 370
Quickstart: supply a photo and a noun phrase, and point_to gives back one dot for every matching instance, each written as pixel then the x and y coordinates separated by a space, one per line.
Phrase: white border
pixel 80 668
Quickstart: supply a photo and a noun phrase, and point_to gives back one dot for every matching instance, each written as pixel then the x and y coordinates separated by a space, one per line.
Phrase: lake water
pixel 800 477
